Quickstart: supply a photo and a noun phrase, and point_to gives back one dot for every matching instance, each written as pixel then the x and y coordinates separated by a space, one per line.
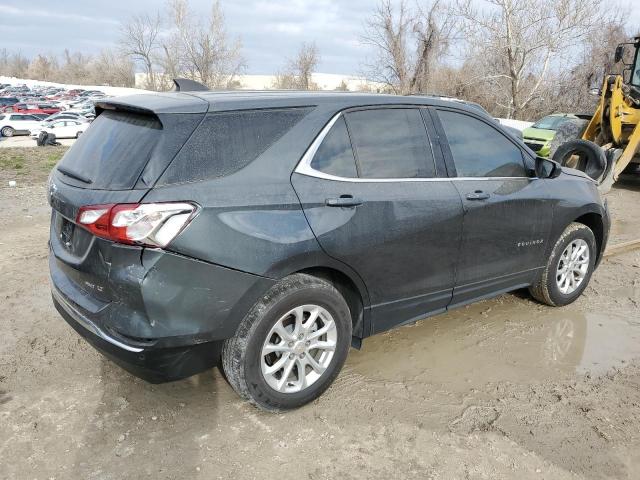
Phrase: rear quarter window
pixel 225 142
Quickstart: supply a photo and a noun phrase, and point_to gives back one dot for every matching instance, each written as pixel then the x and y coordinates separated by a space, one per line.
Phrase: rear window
pixel 228 141
pixel 113 151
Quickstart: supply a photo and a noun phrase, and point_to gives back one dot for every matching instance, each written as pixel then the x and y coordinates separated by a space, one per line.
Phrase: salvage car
pixel 266 233
pixel 62 128
pixel 18 124
pixel 538 137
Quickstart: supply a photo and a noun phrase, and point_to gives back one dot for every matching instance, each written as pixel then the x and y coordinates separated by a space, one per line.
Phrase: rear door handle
pixel 343 201
pixel 477 195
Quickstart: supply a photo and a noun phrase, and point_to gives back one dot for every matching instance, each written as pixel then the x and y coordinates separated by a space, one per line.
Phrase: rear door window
pixel 478 149
pixel 114 151
pixel 391 143
pixel 228 141
pixel 335 155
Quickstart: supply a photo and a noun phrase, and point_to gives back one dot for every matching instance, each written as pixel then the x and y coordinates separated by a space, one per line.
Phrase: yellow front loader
pixel 611 140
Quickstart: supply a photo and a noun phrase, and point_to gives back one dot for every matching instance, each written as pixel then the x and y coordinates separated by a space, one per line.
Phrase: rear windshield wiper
pixel 77 176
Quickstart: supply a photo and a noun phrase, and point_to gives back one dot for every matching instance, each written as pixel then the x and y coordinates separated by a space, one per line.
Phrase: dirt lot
pixel 503 389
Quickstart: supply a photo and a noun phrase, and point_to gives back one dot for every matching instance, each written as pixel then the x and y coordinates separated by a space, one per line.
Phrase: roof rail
pixel 186 85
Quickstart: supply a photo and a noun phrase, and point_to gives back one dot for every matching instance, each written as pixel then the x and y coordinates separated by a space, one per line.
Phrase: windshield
pixel 635 72
pixel 551 122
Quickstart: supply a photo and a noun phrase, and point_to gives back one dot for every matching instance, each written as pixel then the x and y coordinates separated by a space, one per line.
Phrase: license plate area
pixel 71 238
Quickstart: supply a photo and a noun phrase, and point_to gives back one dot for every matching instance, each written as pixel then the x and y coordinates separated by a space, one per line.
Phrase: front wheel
pixel 568 268
pixel 291 345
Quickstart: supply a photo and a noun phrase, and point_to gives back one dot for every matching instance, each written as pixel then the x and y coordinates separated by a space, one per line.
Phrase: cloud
pixel 54 14
pixel 271 31
pixel 290 28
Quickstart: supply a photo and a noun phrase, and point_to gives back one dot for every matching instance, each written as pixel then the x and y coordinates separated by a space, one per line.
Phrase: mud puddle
pixel 500 340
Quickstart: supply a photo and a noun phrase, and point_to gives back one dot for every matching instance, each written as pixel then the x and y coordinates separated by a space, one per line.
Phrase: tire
pixel 569 130
pixel 7 132
pixel 592 159
pixel 546 289
pixel 243 359
pixel 78 134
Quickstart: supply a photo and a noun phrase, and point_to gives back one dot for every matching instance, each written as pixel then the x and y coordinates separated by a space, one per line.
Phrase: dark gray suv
pixel 269 232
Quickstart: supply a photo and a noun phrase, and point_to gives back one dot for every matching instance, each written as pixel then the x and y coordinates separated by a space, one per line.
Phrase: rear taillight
pixel 151 224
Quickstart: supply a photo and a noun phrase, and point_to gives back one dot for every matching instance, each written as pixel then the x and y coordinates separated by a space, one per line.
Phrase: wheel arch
pixel 595 222
pixel 356 299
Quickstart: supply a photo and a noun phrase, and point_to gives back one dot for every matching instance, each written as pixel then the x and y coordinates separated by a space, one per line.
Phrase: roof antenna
pixel 186 85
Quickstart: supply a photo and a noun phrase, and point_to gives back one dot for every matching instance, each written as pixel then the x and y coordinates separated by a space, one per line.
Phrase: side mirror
pixel 546 168
pixel 619 55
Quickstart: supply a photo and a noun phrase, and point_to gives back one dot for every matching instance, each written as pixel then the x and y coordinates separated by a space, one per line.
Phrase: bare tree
pixel 517 43
pixel 342 87
pixel 13 64
pixel 4 61
pixel 113 68
pixel 75 68
pixel 201 48
pixel 170 62
pixel 139 40
pixel 298 73
pixel 408 43
pixel 43 67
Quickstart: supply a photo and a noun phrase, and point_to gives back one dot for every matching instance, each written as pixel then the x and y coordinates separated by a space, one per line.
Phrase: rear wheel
pixel 291 345
pixel 569 267
pixel 7 132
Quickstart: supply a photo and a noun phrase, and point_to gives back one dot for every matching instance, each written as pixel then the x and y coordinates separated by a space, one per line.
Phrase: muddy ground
pixel 503 389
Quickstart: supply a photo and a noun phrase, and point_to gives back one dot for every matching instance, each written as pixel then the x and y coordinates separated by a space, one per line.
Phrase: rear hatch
pixel 117 160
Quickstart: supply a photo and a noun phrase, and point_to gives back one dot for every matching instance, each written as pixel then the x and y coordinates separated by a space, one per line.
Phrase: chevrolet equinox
pixel 269 232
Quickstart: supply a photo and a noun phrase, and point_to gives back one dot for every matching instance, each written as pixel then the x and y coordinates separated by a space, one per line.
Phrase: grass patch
pixel 12 162
pixel 52 159
pixel 32 164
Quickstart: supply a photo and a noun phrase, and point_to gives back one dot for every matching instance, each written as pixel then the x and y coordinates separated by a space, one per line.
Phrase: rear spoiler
pixel 102 106
pixel 154 103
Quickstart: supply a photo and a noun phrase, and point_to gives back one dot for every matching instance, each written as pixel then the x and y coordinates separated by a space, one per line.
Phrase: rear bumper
pixel 159 315
pixel 149 362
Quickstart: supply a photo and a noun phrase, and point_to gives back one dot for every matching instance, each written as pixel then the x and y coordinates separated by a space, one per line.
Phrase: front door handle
pixel 343 201
pixel 477 195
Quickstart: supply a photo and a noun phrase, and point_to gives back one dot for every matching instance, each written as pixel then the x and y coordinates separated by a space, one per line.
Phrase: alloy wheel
pixel 299 348
pixel 573 266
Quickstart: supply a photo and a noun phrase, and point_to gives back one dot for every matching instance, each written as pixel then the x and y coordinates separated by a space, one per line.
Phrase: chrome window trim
pixel 304 166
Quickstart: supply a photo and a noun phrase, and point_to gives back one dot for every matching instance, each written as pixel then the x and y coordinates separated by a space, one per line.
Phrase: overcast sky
pixel 270 29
